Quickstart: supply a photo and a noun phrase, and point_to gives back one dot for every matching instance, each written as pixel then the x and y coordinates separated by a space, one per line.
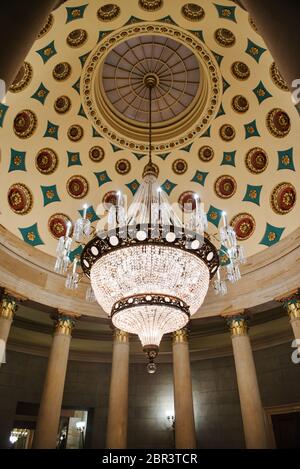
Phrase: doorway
pixel 284 426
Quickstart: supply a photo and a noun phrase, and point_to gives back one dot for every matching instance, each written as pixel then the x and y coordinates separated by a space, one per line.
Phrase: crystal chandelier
pixel 149 268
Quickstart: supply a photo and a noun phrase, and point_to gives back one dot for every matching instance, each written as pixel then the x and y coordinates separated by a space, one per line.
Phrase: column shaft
pixel 185 433
pixel 52 396
pixel 116 436
pixel 20 25
pixel 7 312
pixel 251 406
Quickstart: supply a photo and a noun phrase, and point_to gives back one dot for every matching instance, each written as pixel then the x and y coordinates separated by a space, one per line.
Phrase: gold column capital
pixel 180 336
pixel 293 310
pixel 291 303
pixel 8 307
pixel 63 324
pixel 121 337
pixel 238 325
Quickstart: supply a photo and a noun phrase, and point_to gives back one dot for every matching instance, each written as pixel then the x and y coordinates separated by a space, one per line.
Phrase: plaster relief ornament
pixel 20 199
pixel 243 225
pixel 151 5
pixel 46 161
pixel 225 187
pixel 108 12
pixel 192 12
pixel 25 123
pixel 206 153
pixel 283 198
pixel 96 154
pixel 278 123
pixel 240 70
pixel 256 160
pixel 22 79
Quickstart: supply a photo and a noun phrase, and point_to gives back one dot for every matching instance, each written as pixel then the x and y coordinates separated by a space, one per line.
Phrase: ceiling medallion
pixel 149 268
pixel 46 161
pixel 96 154
pixel 22 79
pixel 25 123
pixel 179 166
pixel 243 225
pixel 240 70
pixel 224 37
pixel 278 123
pixel 109 199
pixel 277 78
pixel 20 199
pixel 225 187
pixel 151 5
pixel 283 198
pixel 227 132
pixel 187 201
pixel 192 12
pixel 256 160
pixel 58 225
pixel 77 187
pixel 77 38
pixel 123 166
pixel 206 153
pixel 61 71
pixel 240 103
pixel 62 104
pixel 108 12
pixel 118 108
pixel 75 133
pixel 47 26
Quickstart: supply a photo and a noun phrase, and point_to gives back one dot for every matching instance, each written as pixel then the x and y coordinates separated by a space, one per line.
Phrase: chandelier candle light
pixel 129 263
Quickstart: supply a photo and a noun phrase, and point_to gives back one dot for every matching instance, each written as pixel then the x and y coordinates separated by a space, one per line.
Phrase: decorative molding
pixel 8 307
pixel 121 336
pixel 238 325
pixel 197 119
pixel 63 325
pixel 291 302
pixel 29 272
pixel 180 336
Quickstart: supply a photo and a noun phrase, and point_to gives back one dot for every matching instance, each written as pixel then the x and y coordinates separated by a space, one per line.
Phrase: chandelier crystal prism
pixel 150 266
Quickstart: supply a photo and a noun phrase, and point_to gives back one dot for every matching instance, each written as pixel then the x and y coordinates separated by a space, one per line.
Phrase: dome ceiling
pixel 54 158
pixel 127 66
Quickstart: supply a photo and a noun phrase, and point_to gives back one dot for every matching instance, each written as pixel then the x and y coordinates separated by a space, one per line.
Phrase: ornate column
pixel 185 433
pixel 291 302
pixel 50 406
pixel 20 24
pixel 251 406
pixel 116 434
pixel 8 308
